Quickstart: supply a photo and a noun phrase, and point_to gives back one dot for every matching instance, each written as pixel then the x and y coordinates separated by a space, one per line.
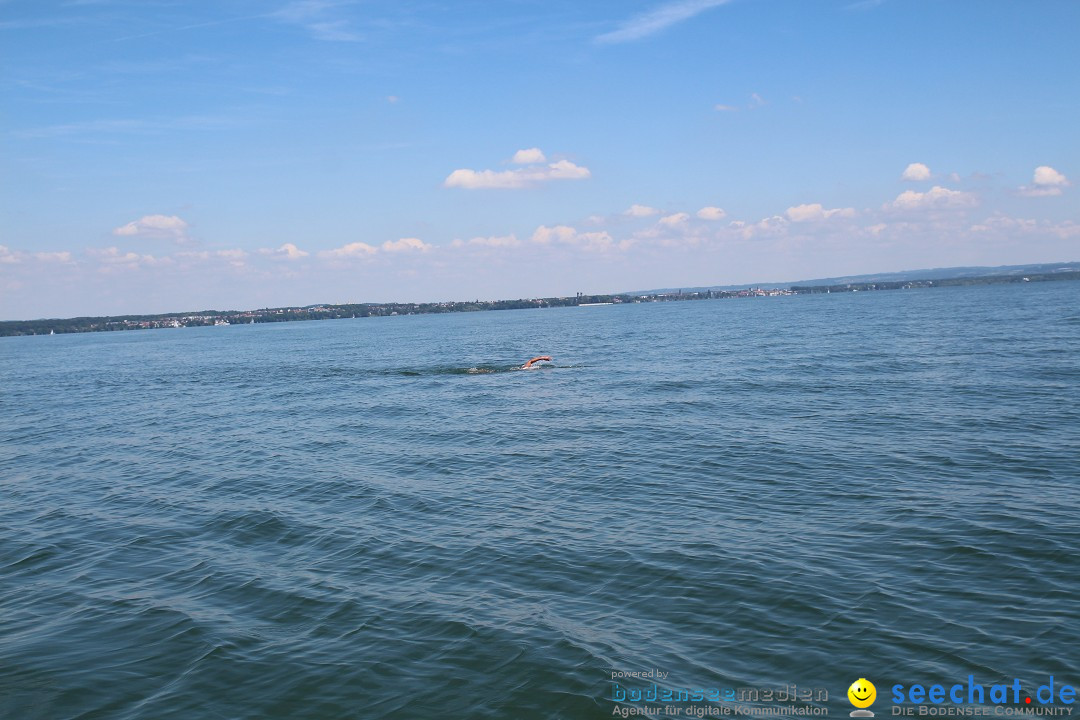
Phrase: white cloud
pixel 60 257
pixel 9 256
pixel 771 223
pixel 113 256
pixel 711 213
pixel 560 233
pixel 405 245
pixel 815 212
pixel 169 226
pixel 636 210
pixel 678 230
pixel 915 172
pixel 766 227
pixel 674 220
pixel 566 235
pixel 756 101
pixel 393 99
pixel 288 251
pixel 1046 175
pixel 352 250
pixel 493 241
pixel 936 198
pixel 999 221
pixel 516 179
pixel 565 170
pixel 1009 227
pixel 726 108
pixel 1045 182
pixel 657 19
pixel 529 156
pixel 600 241
pixel 236 257
pixel 1039 191
pixel 363 250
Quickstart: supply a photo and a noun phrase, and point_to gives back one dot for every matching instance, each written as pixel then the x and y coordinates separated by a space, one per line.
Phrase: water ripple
pixel 313 521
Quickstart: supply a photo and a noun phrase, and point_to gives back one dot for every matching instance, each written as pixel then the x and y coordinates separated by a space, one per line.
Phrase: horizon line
pixel 849 279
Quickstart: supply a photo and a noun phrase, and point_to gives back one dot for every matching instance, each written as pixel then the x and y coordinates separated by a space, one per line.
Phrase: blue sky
pixel 161 155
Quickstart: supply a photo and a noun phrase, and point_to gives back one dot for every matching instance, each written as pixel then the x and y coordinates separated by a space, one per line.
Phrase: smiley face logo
pixel 862 693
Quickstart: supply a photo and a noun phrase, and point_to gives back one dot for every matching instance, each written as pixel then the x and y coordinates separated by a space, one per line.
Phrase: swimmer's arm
pixel 538 358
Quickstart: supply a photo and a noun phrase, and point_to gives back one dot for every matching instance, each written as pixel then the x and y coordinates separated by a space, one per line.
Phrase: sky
pixel 168 155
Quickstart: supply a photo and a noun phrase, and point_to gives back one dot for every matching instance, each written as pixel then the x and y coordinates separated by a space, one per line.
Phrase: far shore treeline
pixel 361 310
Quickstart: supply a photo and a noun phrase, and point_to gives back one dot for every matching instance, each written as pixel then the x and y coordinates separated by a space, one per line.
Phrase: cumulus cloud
pixel 936 198
pixel 493 241
pixel 406 245
pixel 167 226
pixel 113 256
pixel 529 156
pixel 1010 227
pixel 1045 182
pixel 9 256
pixel 363 250
pixel 288 251
pixel 815 212
pixel 566 235
pixel 516 179
pixel 915 172
pixel 352 250
pixel 674 220
pixel 1000 221
pixel 1046 175
pixel 711 213
pixel 773 226
pixel 560 233
pixel 678 229
pixel 636 210
pixel 565 170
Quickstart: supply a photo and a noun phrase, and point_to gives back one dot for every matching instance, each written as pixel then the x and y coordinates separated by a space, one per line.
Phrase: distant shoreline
pixel 113 323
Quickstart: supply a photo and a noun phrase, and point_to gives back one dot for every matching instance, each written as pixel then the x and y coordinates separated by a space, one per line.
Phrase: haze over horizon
pixel 249 154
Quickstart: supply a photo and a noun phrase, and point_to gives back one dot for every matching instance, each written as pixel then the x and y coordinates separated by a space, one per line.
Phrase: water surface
pixel 346 519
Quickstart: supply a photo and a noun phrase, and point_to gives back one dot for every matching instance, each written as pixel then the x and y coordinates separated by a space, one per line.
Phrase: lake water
pixel 342 519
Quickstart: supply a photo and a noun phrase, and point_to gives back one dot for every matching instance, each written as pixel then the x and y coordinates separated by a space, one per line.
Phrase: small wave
pixel 471 370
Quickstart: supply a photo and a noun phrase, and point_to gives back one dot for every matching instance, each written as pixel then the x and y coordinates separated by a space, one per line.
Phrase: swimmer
pixel 538 358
